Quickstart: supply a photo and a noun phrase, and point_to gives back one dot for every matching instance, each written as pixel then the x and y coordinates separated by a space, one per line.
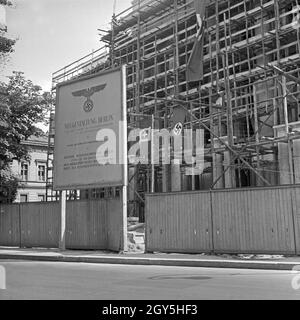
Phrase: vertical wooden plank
pixel 62 234
pixel 296 218
pixel 114 224
pixel 216 223
pixel 9 225
pixel 249 238
pixel 280 238
pixel 262 219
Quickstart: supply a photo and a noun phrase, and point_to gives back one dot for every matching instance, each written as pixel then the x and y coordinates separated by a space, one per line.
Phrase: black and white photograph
pixel 149 154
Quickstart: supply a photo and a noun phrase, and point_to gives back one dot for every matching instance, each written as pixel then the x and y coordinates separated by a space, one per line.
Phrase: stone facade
pixel 33 173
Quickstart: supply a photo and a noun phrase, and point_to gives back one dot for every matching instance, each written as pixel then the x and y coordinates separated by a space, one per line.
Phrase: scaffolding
pixel 247 102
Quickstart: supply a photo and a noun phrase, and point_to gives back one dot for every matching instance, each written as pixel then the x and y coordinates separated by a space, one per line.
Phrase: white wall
pixel 33 187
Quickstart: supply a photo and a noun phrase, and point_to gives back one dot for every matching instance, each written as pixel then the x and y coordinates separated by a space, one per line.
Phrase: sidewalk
pixel 158 259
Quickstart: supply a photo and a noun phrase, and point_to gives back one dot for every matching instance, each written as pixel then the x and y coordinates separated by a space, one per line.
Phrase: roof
pixel 37 141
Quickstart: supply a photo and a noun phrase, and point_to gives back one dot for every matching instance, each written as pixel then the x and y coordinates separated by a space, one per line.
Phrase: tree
pixel 22 106
pixel 6 44
pixel 6 2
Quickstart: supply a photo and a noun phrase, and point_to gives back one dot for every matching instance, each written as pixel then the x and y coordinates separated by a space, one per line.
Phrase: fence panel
pixel 9 225
pixel 258 220
pixel 253 221
pixel 40 224
pixel 179 222
pixel 114 224
pixel 90 225
pixel 86 225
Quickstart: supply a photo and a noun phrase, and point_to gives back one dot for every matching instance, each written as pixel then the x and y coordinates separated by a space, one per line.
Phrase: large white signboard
pixel 89 115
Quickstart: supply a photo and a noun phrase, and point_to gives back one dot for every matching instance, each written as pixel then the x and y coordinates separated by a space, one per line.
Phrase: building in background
pixel 32 173
pixel 249 110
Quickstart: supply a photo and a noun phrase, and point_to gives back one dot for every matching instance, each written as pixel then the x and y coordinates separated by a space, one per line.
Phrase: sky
pixel 54 33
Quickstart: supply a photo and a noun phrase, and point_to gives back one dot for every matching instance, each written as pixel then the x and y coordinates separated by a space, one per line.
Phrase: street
pixel 42 280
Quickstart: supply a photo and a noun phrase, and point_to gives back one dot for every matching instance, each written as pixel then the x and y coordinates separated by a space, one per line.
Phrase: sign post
pixel 62 236
pixel 152 155
pixel 125 160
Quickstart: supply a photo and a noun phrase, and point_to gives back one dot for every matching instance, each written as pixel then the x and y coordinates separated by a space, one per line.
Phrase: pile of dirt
pixel 136 237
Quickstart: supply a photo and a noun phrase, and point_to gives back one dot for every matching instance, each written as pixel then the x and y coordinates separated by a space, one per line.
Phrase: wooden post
pixel 230 141
pixel 165 167
pixel 192 146
pixel 124 213
pixel 286 122
pixel 230 135
pixel 256 130
pixel 152 157
pixel 62 237
pixel 124 151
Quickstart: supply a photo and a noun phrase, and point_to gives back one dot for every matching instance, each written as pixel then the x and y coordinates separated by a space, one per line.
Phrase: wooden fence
pixel 258 220
pixel 89 225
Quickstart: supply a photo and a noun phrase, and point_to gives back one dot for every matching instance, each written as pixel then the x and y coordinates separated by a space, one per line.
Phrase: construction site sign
pixel 90 132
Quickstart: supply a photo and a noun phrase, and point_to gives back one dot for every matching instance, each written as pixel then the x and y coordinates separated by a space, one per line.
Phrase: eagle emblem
pixel 88 93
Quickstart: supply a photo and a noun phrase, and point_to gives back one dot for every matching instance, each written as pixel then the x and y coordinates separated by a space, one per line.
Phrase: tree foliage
pixel 22 106
pixel 8 186
pixel 6 44
pixel 6 2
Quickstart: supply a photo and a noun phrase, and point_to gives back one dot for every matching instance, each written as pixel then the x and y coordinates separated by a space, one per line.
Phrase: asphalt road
pixel 41 280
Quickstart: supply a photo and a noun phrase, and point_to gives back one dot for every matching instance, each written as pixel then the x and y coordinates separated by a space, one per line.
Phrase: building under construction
pixel 247 100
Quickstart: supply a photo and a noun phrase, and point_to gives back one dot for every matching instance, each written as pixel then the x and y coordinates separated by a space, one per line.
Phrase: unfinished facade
pixel 248 108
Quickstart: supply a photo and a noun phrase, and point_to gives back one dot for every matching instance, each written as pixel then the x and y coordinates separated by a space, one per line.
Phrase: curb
pixel 232 264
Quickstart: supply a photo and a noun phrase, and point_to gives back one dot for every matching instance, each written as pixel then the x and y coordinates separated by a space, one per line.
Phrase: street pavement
pixel 264 262
pixel 58 280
